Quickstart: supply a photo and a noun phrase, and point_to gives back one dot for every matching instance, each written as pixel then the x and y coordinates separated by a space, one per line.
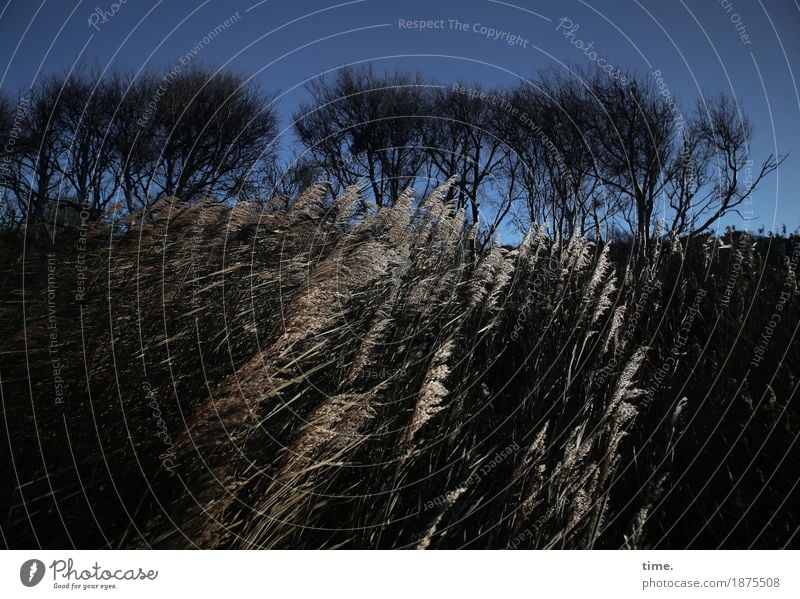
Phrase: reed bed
pixel 328 376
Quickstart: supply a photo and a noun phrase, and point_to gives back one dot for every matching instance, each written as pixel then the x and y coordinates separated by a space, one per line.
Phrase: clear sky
pixel 747 49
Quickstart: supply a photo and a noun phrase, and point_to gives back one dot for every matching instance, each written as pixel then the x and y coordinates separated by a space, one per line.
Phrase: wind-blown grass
pixel 325 377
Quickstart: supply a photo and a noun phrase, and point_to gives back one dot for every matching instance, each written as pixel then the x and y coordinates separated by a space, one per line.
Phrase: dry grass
pixel 330 378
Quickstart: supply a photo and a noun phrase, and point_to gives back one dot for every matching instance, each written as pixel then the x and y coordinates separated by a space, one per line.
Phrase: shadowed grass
pixel 324 377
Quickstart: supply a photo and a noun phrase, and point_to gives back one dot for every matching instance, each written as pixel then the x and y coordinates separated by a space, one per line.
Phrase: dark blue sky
pixel 747 49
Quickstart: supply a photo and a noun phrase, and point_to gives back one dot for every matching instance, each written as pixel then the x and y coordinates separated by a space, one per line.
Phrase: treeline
pixel 588 153
pixel 79 143
pixel 591 153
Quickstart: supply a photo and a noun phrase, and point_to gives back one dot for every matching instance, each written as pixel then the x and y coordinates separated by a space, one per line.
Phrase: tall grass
pixel 328 377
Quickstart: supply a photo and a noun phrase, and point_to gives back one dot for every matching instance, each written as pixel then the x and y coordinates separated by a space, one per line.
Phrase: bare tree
pixel 714 174
pixel 9 215
pixel 32 174
pixel 632 135
pixel 363 125
pixel 84 115
pixel 132 135
pixel 212 130
pixel 552 160
pixel 464 138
